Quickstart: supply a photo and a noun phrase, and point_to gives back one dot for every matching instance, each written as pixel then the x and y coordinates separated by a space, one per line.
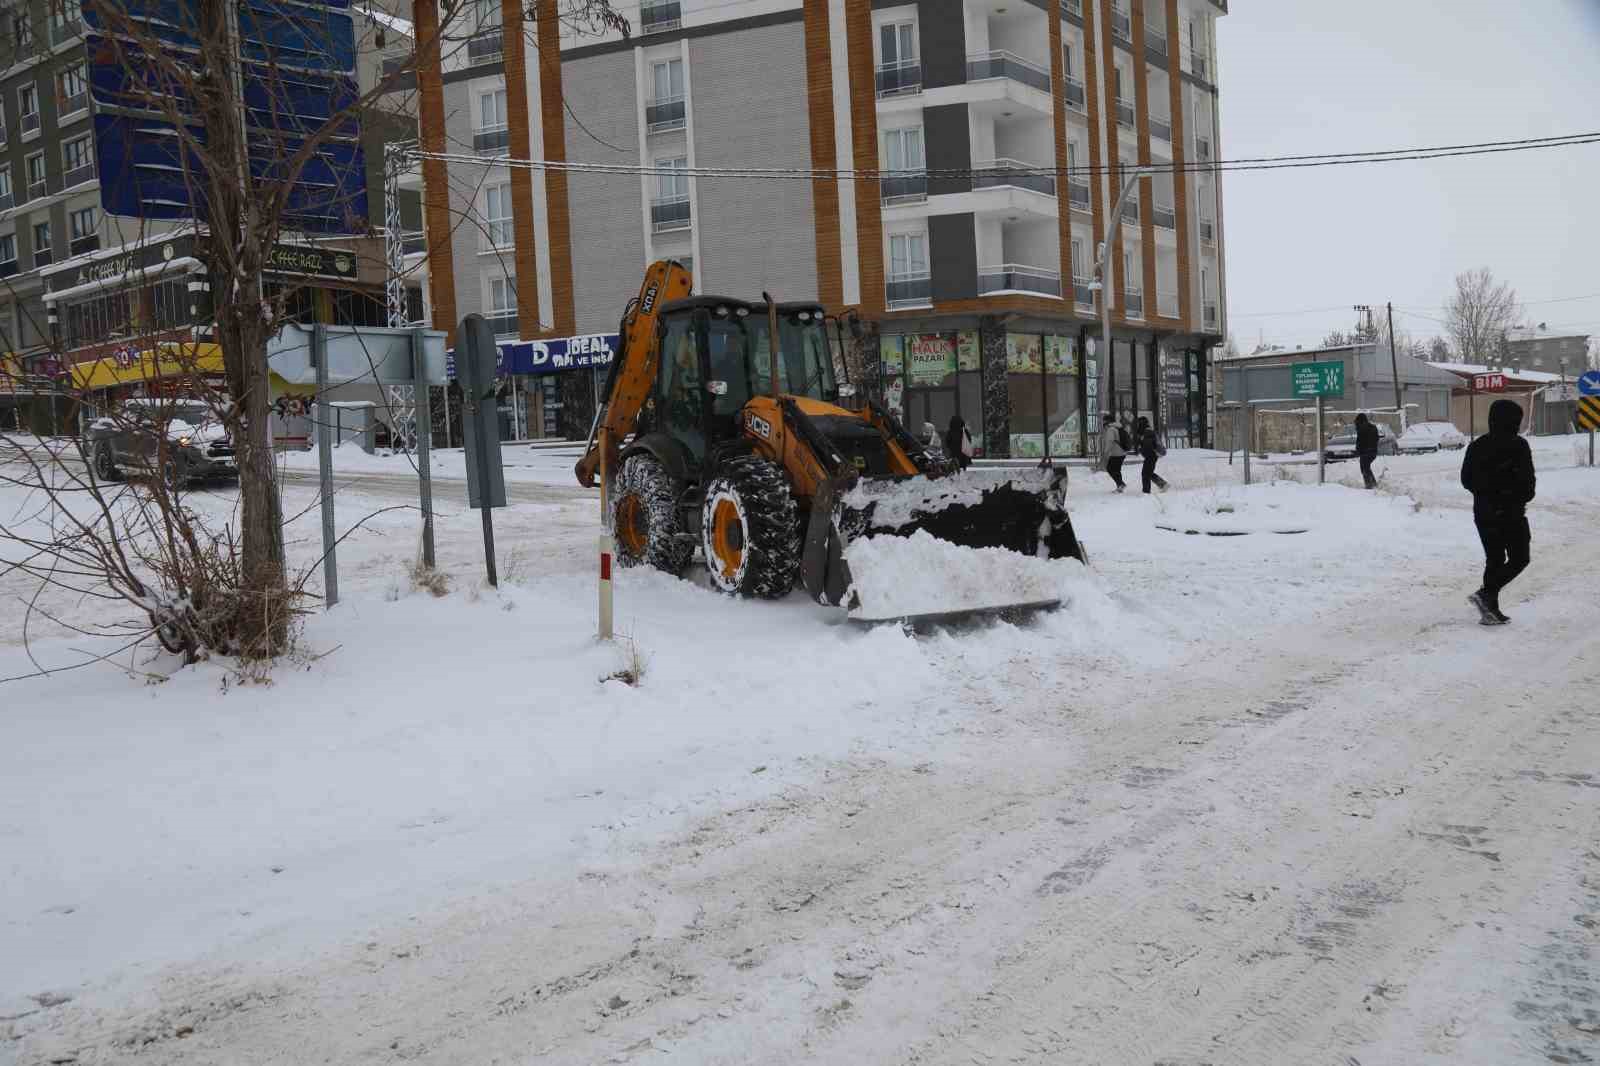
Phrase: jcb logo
pixel 649 300
pixel 759 426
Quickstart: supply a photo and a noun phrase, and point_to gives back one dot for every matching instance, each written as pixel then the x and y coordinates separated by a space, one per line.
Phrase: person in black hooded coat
pixel 1366 448
pixel 958 442
pixel 1498 471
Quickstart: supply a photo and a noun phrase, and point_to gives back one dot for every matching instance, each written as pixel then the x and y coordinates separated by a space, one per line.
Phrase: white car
pixel 1431 437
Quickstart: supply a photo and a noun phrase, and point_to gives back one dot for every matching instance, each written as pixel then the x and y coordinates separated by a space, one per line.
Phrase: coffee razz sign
pixel 1489 382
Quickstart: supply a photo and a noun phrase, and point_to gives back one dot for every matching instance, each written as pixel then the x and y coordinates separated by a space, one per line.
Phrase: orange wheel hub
pixel 633 525
pixel 727 537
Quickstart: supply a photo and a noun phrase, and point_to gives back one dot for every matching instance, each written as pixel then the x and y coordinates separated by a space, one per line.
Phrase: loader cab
pixel 715 357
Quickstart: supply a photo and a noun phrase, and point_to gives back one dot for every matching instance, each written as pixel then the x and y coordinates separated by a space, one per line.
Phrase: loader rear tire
pixel 750 529
pixel 645 521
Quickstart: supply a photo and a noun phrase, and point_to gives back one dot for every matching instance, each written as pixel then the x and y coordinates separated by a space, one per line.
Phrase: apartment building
pixel 1550 351
pixel 983 143
pixel 78 285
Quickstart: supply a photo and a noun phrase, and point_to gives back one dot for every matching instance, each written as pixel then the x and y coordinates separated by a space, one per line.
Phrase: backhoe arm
pixel 634 375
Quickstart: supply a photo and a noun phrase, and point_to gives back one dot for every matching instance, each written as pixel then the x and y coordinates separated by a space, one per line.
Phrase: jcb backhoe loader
pixel 712 435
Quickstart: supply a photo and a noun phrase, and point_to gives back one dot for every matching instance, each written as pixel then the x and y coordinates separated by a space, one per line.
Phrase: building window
pixel 666 109
pixel 904 159
pixel 909 282
pixel 8 248
pixel 76 154
pixel 492 110
pixel 41 243
pixel 5 186
pixel 898 69
pixel 671 208
pixel 667 80
pixel 71 90
pixel 36 176
pixel 497 214
pixel 81 223
pixel 28 107
pixel 22 30
pixel 502 312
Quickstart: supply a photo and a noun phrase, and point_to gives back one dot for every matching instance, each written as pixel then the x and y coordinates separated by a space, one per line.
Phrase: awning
pixel 137 276
pixel 169 359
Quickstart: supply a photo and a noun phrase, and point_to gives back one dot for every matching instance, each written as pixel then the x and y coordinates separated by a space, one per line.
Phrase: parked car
pixel 1431 437
pixel 1342 445
pixel 179 440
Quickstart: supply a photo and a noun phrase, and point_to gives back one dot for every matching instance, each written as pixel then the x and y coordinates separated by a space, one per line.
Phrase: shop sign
pixel 931 358
pixel 969 353
pixel 890 357
pixel 1024 353
pixel 550 356
pixel 1176 380
pixel 311 262
pixel 1060 355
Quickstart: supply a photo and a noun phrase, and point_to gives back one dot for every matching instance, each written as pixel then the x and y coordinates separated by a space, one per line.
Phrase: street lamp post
pixel 1102 257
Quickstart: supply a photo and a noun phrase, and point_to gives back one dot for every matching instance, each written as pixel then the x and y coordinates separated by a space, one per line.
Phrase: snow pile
pixel 898 503
pixel 919 574
pixel 1274 508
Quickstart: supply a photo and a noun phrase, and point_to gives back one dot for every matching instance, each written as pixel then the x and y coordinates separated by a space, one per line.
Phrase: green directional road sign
pixel 1319 379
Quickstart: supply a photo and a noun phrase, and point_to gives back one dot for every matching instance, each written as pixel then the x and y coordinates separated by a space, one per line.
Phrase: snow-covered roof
pixel 388 21
pixel 1532 377
pixel 1532 334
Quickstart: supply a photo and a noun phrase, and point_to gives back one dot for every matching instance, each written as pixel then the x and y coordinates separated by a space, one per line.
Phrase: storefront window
pixel 891 356
pixel 1063 417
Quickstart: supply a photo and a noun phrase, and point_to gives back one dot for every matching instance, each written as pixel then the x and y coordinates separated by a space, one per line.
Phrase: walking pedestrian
pixel 1151 448
pixel 958 442
pixel 1366 448
pixel 1498 471
pixel 930 440
pixel 1115 443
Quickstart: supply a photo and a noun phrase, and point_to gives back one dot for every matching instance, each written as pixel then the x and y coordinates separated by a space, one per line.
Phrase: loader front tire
pixel 750 529
pixel 645 521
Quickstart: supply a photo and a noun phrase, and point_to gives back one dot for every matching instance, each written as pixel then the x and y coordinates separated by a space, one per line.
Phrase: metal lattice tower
pixel 397 159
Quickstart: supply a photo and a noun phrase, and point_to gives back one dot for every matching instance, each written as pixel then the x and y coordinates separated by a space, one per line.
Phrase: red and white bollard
pixel 605 586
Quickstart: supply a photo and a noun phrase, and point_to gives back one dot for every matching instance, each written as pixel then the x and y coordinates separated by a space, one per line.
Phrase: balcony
pixel 1161 128
pixel 1163 216
pixel 7 201
pixel 1013 173
pixel 79 176
pixel 68 105
pixel 1074 7
pixel 1078 195
pixel 1125 115
pixel 1210 314
pixel 669 213
pixel 660 18
pixel 41 257
pixel 413 244
pixel 1133 301
pixel 903 188
pixel 2 131
pixel 30 123
pixel 1202 149
pixel 9 267
pixel 393 65
pixel 1167 304
pixel 491 141
pixel 1208 231
pixel 1155 46
pixel 64 30
pixel 1130 211
pixel 37 190
pixel 900 79
pixel 1014 277
pixel 85 245
pixel 911 289
pixel 1074 92
pixel 1121 25
pixel 485 47
pixel 1083 291
pixel 666 115
pixel 504 323
pixel 1001 64
pixel 1200 68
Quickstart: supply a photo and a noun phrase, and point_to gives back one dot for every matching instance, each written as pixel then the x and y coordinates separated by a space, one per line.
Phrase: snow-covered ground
pixel 1250 799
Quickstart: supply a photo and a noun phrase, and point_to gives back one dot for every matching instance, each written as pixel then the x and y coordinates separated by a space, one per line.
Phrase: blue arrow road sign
pixel 1589 383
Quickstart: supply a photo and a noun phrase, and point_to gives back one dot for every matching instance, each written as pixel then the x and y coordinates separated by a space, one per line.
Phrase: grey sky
pixel 1299 76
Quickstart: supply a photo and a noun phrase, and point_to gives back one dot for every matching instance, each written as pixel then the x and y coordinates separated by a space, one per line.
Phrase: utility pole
pixel 1394 368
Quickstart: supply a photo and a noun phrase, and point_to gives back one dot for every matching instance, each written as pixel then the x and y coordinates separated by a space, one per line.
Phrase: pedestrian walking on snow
pixel 1498 471
pixel 930 440
pixel 1366 448
pixel 1151 448
pixel 1115 443
pixel 958 442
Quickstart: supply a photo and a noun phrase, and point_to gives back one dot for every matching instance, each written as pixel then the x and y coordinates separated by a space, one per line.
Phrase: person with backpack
pixel 1498 471
pixel 958 442
pixel 1366 448
pixel 1115 443
pixel 1151 448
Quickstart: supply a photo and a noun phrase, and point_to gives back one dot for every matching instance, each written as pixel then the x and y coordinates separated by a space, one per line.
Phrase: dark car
pixel 179 440
pixel 1342 445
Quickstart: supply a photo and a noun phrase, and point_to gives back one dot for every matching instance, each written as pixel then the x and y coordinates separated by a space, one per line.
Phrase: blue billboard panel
pixel 143 169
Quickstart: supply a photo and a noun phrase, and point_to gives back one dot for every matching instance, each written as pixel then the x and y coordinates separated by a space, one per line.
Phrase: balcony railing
pixel 1001 173
pixel 485 47
pixel 38 189
pixel 1208 231
pixel 1121 25
pixel 1201 68
pixel 1075 97
pixel 1014 277
pixel 413 243
pixel 1074 7
pixel 1155 43
pixel 910 289
pixel 1133 301
pixel 1082 294
pixel 1125 115
pixel 1164 216
pixel 491 142
pixel 1161 128
pixel 1078 195
pixel 2 134
pixel 669 213
pixel 1210 313
pixel 661 18
pixel 1167 304
pixel 30 122
pixel 79 176
pixel 664 115
pixel 65 29
pixel 1130 211
pixel 392 65
pixel 1202 149
pixel 899 79
pixel 903 187
pixel 7 201
pixel 9 267
pixel 504 323
pixel 66 105
pixel 41 257
pixel 85 245
pixel 1003 64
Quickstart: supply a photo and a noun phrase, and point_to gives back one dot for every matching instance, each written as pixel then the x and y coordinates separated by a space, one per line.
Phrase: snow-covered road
pixel 1254 800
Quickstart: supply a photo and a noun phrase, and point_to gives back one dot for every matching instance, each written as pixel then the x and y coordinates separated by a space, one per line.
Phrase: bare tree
pixel 1479 314
pixel 1438 351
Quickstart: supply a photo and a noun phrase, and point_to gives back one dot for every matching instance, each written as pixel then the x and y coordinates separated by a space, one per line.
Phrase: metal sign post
pixel 330 559
pixel 476 366
pixel 1587 412
pixel 424 445
pixel 607 548
pixel 1322 452
pixel 1319 380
